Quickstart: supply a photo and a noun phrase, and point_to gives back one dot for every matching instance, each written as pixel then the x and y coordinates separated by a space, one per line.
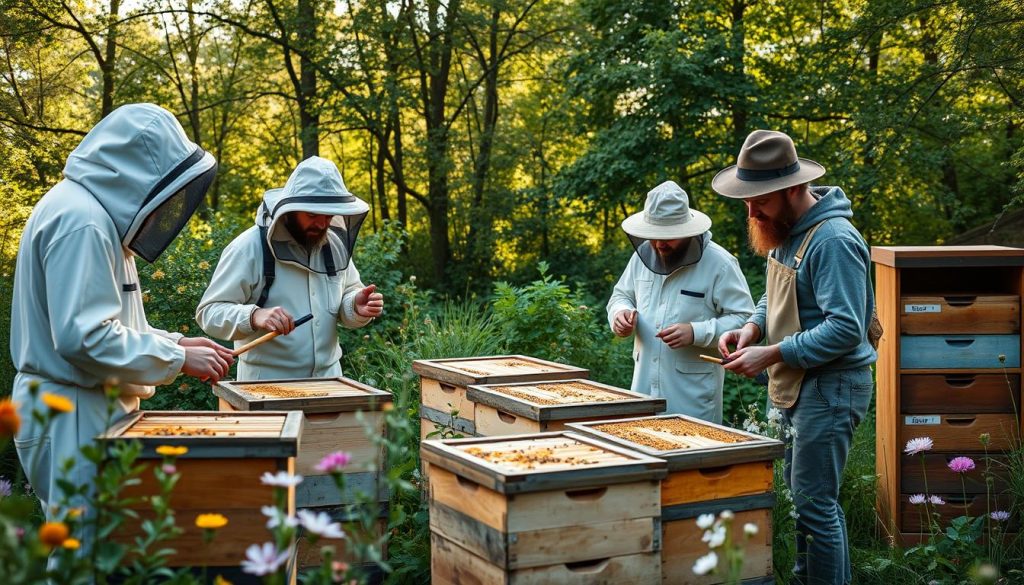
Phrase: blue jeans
pixel 830 406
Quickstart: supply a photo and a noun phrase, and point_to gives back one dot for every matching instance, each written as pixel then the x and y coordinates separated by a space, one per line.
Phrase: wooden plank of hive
pixel 719 482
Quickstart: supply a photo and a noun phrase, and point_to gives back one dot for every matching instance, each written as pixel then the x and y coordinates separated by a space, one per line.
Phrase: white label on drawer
pixel 922 308
pixel 932 419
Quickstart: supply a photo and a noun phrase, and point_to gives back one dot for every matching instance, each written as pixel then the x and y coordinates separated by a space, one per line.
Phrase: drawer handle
pixel 960 301
pixel 322 418
pixel 588 566
pixel 447 388
pixel 715 472
pixel 959 500
pixel 961 381
pixel 961 421
pixel 587 495
pixel 959 342
pixel 506 417
pixel 467 484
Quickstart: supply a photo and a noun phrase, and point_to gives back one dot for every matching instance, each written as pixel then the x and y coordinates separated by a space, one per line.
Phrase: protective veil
pixel 77 318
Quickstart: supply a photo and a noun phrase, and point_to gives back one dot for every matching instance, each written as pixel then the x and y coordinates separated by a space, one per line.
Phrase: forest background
pixel 493 137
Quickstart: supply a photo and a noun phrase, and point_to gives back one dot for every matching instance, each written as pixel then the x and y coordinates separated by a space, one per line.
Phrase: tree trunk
pixel 738 53
pixel 309 113
pixel 481 217
pixel 108 66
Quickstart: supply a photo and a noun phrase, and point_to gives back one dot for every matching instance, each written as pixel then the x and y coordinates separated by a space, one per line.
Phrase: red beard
pixel 767 234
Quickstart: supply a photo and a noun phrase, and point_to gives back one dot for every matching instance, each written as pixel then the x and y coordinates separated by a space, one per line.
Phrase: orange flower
pixel 57 403
pixel 10 422
pixel 53 533
pixel 211 521
pixel 72 544
pixel 171 451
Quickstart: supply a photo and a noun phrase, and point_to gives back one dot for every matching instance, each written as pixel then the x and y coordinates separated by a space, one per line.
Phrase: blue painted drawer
pixel 959 351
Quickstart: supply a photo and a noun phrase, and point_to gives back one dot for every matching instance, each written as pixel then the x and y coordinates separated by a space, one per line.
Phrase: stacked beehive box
pixel 444 404
pixel 711 468
pixel 949 368
pixel 227 455
pixel 547 508
pixel 535 407
pixel 340 415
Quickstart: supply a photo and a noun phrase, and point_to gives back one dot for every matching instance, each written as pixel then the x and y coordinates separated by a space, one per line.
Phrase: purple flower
pixel 961 464
pixel 1000 515
pixel 263 560
pixel 918 499
pixel 334 462
pixel 936 501
pixel 169 468
pixel 5 487
pixel 918 445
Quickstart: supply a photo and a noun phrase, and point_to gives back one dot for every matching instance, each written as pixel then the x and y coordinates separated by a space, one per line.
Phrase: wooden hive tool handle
pixel 269 336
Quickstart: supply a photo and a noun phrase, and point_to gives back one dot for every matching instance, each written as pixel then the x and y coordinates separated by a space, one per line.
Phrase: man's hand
pixel 752 360
pixel 369 303
pixel 205 359
pixel 741 338
pixel 624 322
pixel 677 335
pixel 273 319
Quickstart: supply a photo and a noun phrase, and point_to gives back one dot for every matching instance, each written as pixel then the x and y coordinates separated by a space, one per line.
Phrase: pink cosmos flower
pixel 918 445
pixel 334 462
pixel 961 464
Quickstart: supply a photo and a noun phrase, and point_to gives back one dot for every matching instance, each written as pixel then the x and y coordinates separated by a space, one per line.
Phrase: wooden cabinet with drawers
pixel 949 368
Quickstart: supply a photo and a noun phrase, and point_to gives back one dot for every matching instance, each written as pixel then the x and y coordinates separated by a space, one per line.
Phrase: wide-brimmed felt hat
pixel 767 162
pixel 666 216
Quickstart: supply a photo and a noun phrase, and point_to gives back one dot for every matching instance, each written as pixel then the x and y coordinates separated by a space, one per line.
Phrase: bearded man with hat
pixel 815 320
pixel 679 292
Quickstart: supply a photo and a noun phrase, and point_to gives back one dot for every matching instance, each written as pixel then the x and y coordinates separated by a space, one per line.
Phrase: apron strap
pixel 802 250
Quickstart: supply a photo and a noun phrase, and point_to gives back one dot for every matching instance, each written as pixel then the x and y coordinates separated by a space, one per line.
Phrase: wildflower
pixel 280 479
pixel 169 468
pixel 918 499
pixel 706 563
pixel 918 445
pixel 704 521
pixel 158 275
pixel 774 415
pixel 211 521
pixel 412 278
pixel 10 422
pixel 53 533
pixel 936 501
pixel 170 451
pixel 57 403
pixel 183 328
pixel 6 488
pixel 961 464
pixel 334 462
pixel 320 524
pixel 72 544
pixel 714 537
pixel 146 298
pixel 583 307
pixel 750 529
pixel 277 517
pixel 1000 515
pixel 263 560
pixel 338 570
pixel 181 289
pixel 203 265
pixel 75 513
pixel 726 515
pixel 984 438
pixel 221 581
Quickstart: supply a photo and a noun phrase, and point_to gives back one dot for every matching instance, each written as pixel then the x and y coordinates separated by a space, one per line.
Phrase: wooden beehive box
pixel 536 407
pixel 341 414
pixel 227 455
pixel 443 384
pixel 711 468
pixel 543 508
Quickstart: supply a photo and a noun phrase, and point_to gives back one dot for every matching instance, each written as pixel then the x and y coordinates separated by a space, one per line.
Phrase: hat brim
pixel 636 226
pixel 728 184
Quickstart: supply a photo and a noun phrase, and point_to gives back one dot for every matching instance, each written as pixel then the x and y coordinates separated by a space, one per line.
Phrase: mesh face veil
pixel 687 254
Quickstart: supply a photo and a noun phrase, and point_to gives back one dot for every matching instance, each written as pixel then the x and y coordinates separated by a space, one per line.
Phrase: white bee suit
pixel 77 318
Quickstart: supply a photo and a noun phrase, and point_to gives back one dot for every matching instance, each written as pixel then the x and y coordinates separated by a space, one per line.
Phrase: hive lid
pixel 306 394
pixel 211 434
pixel 541 462
pixel 683 441
pixel 499 369
pixel 564 400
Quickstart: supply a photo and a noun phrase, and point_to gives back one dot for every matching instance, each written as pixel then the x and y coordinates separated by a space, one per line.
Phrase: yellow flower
pixel 146 297
pixel 74 512
pixel 53 533
pixel 181 289
pixel 221 581
pixel 72 544
pixel 184 328
pixel 170 451
pixel 204 265
pixel 57 403
pixel 10 422
pixel 211 521
pixel 158 275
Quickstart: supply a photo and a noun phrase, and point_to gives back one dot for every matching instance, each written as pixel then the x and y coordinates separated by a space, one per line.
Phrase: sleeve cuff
pixel 789 353
pixel 352 319
pixel 246 327
pixel 759 320
pixel 702 333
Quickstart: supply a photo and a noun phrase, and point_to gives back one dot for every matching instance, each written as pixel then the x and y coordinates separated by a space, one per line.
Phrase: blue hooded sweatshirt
pixel 833 289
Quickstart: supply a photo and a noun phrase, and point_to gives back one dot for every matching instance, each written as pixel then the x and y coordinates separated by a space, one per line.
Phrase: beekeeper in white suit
pixel 296 260
pixel 680 291
pixel 77 319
